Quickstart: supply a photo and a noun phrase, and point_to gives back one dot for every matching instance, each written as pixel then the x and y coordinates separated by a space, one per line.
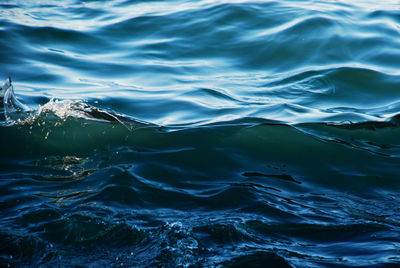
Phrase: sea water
pixel 252 133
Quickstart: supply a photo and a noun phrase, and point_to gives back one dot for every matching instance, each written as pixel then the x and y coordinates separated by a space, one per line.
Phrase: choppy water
pixel 252 133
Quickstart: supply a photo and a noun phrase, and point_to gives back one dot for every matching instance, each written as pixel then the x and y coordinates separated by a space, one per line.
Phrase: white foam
pixel 63 109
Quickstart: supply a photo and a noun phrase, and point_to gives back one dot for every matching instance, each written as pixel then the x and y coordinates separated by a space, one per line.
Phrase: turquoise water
pixel 201 133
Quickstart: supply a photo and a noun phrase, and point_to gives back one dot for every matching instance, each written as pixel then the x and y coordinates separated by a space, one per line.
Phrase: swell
pixel 249 192
pixel 227 141
pixel 335 94
pixel 243 58
pixel 274 135
pixel 127 221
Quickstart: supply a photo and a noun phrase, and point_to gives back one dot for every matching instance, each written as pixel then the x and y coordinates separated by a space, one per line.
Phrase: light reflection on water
pixel 263 133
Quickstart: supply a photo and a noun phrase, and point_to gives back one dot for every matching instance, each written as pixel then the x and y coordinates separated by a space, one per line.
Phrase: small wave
pixel 17 113
pixel 63 109
pixel 275 137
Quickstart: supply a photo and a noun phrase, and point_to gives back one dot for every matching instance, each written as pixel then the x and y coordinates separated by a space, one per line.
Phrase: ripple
pixel 136 44
pixel 265 133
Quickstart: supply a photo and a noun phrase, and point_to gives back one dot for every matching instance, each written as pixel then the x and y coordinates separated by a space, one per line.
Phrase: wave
pixel 242 61
pixel 228 133
pixel 249 191
pixel 300 98
pixel 79 122
pixel 241 223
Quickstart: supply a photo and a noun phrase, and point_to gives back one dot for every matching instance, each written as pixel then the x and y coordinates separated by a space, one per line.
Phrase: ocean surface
pixel 200 133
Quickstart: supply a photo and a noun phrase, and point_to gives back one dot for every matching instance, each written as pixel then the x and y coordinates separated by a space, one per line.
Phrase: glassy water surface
pixel 200 133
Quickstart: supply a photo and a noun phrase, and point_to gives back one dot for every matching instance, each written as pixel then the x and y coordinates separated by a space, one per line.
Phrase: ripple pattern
pixel 266 133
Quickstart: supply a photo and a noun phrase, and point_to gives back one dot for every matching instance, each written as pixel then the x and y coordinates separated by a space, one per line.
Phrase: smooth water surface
pixel 247 133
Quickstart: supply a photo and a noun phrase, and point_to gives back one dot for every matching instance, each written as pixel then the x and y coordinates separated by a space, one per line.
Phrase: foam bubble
pixel 62 109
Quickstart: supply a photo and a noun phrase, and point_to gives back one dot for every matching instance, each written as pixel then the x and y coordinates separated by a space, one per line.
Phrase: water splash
pixel 13 109
pixel 16 112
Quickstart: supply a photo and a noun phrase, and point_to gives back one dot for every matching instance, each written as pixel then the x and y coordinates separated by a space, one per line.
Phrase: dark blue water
pixel 201 133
